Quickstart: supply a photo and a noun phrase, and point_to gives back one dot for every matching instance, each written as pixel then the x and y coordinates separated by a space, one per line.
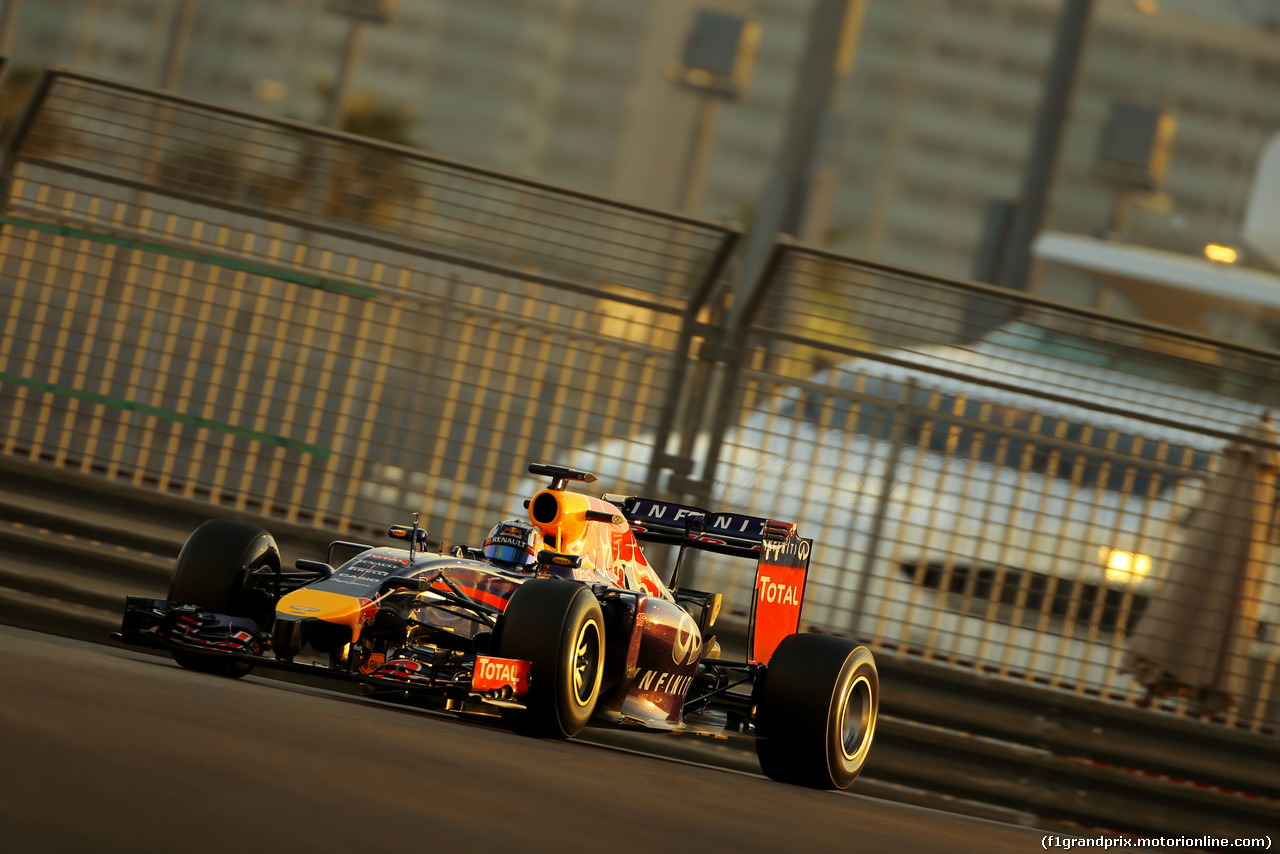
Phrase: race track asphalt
pixel 104 749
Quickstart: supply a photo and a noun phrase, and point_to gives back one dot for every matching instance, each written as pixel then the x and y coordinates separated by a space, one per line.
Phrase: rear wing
pixel 782 559
pixel 733 534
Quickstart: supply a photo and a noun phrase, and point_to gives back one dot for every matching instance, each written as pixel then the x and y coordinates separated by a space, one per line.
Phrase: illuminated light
pixel 1126 567
pixel 1150 8
pixel 270 91
pixel 1222 254
pixel 698 77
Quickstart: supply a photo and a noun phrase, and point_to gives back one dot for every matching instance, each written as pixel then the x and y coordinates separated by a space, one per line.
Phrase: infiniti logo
pixel 686 645
pixel 303 608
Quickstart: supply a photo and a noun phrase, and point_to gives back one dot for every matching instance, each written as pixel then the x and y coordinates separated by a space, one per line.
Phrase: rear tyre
pixel 816 707
pixel 210 574
pixel 557 626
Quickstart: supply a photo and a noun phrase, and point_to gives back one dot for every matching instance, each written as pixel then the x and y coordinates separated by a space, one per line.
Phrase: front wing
pixel 424 673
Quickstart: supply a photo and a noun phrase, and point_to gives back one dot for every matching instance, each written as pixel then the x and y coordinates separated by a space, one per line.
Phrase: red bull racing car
pixel 557 622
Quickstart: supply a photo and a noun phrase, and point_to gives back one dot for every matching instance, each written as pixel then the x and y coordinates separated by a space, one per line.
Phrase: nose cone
pixel 337 608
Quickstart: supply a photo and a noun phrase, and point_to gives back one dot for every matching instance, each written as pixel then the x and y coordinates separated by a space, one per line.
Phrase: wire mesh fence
pixel 1000 483
pixel 289 173
pixel 329 330
pixel 180 321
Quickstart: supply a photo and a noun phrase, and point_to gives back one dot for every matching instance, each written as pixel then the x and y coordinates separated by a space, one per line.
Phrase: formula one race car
pixel 557 622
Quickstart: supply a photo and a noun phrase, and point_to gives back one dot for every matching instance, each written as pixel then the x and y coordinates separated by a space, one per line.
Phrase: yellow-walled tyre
pixel 210 574
pixel 816 707
pixel 557 626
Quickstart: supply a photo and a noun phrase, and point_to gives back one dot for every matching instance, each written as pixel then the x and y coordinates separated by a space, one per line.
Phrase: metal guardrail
pixel 283 321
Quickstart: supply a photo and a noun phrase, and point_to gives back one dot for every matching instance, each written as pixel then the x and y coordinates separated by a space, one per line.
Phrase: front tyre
pixel 211 573
pixel 816 708
pixel 558 627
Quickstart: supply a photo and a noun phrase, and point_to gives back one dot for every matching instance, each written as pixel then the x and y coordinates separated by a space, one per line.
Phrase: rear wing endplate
pixel 781 576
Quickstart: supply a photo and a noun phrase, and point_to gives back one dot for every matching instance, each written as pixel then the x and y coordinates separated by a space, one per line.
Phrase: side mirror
pixel 318 567
pixel 404 532
pixel 546 557
pixel 416 585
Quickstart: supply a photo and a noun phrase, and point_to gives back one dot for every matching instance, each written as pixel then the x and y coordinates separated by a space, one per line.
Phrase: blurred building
pixel 937 119
pixel 933 124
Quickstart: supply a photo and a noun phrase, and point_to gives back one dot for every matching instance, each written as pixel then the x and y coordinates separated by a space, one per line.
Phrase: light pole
pixel 1009 229
pixel 716 65
pixel 175 50
pixel 834 29
pixel 8 25
pixel 358 13
pixel 1055 104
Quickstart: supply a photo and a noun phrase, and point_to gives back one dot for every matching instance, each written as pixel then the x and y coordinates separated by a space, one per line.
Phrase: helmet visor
pixel 518 555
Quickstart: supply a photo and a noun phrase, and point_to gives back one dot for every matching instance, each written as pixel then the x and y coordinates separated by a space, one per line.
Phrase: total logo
pixel 778 594
pixel 498 672
pixel 503 671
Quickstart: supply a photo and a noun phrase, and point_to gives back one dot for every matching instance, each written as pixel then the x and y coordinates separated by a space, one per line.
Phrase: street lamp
pixel 716 64
pixel 358 13
pixel 175 49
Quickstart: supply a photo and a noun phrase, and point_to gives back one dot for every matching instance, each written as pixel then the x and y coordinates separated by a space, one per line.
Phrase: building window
pixel 925 192
pixel 973 8
pixel 1020 67
pixel 1019 114
pixel 938 148
pixel 1030 17
pixel 999 161
pixel 1266 72
pixel 958 53
pixel 1119 41
pixel 1194 107
pixel 1194 155
pixel 1259 122
pixel 1211 59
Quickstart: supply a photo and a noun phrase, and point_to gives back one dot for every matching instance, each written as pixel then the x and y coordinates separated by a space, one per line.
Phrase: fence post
pixel 902 411
pixel 724 386
pixel 680 359
pixel 17 133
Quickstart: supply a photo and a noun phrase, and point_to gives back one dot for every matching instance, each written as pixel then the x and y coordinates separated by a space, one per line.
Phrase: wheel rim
pixel 585 663
pixel 856 718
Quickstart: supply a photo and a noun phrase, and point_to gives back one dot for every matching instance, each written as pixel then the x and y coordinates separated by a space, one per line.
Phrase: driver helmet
pixel 513 543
